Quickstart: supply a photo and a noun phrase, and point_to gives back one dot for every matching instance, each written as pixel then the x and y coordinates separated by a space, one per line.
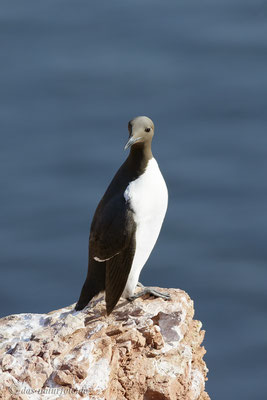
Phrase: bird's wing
pixel 112 229
pixel 117 272
pixel 112 239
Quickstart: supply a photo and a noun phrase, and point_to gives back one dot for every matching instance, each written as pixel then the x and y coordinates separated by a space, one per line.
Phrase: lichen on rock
pixel 147 349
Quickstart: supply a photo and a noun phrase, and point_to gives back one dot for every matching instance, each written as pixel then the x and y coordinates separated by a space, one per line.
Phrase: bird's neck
pixel 139 156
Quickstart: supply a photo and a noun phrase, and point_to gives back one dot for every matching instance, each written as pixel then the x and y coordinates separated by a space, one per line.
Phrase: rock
pixel 148 349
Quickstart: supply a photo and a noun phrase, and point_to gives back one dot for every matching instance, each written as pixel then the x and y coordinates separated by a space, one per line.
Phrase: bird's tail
pixel 94 283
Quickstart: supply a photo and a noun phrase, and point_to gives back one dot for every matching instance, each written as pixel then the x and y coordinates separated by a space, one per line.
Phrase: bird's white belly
pixel 148 197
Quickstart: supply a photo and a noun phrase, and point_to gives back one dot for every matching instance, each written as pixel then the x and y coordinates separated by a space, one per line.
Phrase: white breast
pixel 148 197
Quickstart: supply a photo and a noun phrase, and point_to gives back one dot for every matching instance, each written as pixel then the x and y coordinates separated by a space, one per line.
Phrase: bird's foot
pixel 139 284
pixel 151 292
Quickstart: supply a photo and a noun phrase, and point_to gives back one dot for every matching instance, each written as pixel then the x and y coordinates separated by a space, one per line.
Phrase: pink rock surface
pixel 149 349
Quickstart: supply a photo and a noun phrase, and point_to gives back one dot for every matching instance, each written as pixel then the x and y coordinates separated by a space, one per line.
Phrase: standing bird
pixel 126 223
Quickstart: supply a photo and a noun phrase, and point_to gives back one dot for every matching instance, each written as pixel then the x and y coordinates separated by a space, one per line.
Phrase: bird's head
pixel 141 130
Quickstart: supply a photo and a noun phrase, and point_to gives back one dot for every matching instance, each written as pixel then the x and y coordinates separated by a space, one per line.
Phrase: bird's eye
pixel 147 129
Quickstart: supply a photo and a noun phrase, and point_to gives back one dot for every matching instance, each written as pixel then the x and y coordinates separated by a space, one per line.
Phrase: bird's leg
pixel 152 292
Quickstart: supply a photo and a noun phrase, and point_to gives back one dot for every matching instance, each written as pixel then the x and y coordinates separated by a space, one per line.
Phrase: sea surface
pixel 72 74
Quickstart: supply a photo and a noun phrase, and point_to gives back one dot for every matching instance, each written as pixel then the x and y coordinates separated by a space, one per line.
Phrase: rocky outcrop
pixel 149 349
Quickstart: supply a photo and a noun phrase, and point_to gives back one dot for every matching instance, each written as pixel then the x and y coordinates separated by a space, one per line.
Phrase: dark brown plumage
pixel 112 231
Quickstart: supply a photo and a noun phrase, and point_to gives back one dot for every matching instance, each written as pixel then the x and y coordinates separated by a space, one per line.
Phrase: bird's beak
pixel 131 141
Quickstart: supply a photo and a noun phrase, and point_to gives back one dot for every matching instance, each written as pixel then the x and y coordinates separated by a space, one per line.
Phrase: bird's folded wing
pixel 112 239
pixel 117 272
pixel 112 229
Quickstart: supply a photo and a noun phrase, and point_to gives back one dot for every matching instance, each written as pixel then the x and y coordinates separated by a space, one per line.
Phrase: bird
pixel 126 223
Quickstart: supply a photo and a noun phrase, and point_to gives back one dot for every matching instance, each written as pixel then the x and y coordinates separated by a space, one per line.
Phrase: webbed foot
pixel 139 284
pixel 151 292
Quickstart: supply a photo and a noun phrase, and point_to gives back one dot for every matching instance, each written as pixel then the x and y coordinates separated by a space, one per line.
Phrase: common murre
pixel 126 223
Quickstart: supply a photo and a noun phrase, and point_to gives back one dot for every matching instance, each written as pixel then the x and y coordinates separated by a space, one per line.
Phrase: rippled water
pixel 72 75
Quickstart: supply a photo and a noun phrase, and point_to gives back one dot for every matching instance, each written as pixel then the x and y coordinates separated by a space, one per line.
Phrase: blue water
pixel 72 73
